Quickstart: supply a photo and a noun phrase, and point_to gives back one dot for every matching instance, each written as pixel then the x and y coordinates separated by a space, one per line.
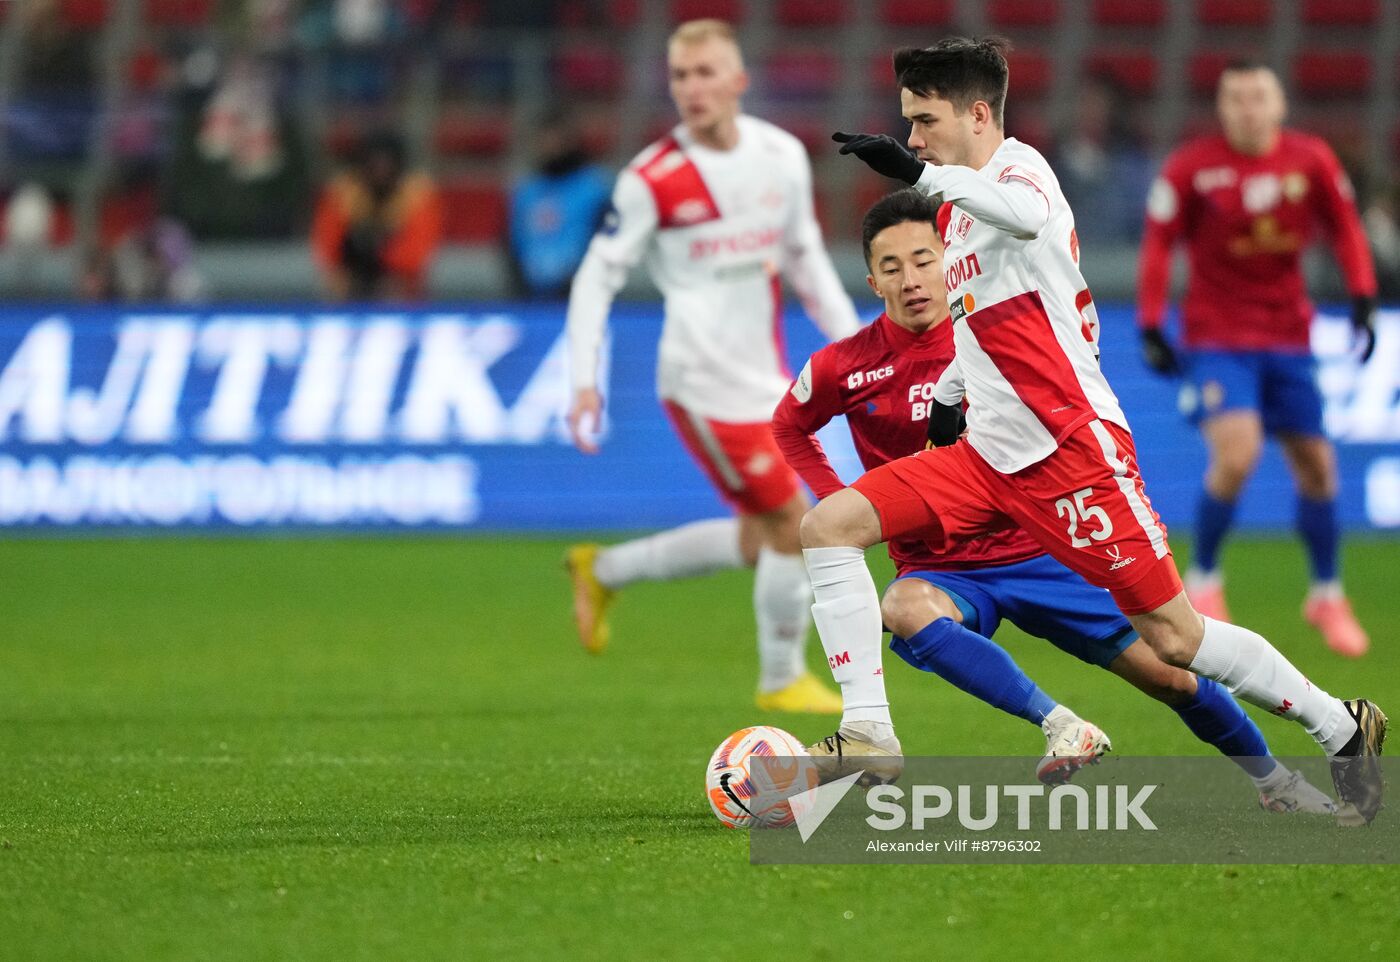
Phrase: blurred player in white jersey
pixel 1047 445
pixel 718 210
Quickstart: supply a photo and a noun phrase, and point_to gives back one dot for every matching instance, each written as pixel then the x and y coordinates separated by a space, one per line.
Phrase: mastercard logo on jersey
pixel 962 306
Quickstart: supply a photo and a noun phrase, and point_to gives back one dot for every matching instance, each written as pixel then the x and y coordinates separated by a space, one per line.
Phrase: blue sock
pixel 1317 523
pixel 977 665
pixel 1217 719
pixel 1213 520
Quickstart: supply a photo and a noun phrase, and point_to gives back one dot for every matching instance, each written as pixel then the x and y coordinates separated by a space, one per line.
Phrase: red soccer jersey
pixel 1246 221
pixel 882 379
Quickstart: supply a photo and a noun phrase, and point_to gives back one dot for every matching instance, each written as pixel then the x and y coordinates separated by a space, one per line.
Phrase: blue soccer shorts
pixel 1281 387
pixel 1041 597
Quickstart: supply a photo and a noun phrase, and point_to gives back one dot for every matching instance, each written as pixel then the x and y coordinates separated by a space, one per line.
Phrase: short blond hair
pixel 709 28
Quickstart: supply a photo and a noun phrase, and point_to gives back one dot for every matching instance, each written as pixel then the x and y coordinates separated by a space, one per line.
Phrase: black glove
pixel 945 424
pixel 1157 352
pixel 1363 325
pixel 884 154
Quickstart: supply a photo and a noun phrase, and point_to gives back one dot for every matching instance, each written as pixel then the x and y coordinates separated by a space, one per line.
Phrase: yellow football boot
pixel 591 598
pixel 807 695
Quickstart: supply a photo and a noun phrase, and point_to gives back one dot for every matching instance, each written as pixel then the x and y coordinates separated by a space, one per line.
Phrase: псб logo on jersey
pixel 857 378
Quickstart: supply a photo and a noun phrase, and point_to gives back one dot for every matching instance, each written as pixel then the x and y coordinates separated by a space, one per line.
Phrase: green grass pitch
pixel 375 749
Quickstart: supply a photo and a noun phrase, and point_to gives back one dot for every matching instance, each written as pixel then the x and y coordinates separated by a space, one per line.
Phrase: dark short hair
pixel 960 70
pixel 902 206
pixel 1245 65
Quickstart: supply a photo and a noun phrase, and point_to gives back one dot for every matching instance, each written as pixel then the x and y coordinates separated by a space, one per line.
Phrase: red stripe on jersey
pixel 945 217
pixel 1023 179
pixel 1017 336
pixel 1082 300
pixel 775 289
pixel 682 199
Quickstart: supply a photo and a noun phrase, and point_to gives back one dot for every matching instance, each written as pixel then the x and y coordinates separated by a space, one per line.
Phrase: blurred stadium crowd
pixel 188 149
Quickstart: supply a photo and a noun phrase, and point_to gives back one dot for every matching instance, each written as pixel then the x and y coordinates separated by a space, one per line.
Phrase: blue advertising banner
pixel 453 418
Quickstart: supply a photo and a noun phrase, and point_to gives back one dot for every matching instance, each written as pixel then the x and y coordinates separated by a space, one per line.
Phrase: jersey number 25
pixel 1077 511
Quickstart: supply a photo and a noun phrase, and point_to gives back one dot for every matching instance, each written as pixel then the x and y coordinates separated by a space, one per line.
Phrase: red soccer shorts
pixel 1084 504
pixel 741 459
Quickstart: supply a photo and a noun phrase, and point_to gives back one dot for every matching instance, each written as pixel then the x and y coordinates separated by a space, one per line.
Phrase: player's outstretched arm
pixel 883 154
pixel 1012 203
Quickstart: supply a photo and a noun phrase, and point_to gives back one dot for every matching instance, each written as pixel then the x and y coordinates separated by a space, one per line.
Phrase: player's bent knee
pixel 1173 631
pixel 845 519
pixel 1172 645
pixel 911 605
pixel 814 530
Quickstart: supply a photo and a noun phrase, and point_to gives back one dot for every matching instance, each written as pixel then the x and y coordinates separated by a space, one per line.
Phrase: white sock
pixel 847 615
pixel 1253 669
pixel 1330 590
pixel 1273 781
pixel 1196 579
pixel 782 606
pixel 691 549
pixel 1059 717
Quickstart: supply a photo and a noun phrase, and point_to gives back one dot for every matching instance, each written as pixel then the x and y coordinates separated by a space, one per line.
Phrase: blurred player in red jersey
pixel 1246 203
pixel 947 602
pixel 1047 446
pixel 719 210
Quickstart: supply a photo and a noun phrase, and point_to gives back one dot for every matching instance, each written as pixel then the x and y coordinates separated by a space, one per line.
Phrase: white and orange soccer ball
pixel 753 773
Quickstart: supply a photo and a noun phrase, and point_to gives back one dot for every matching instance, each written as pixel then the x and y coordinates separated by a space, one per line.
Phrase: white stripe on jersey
pixel 1140 510
pixel 733 480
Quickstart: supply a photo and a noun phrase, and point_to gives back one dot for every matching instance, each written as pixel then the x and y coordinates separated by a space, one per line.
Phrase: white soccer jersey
pixel 1025 327
pixel 717 229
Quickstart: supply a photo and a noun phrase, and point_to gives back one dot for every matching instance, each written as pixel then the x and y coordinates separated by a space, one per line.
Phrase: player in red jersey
pixel 1047 445
pixel 947 603
pixel 1246 202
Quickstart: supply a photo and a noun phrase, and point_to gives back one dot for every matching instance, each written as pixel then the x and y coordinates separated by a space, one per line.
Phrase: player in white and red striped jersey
pixel 720 211
pixel 1047 445
pixel 947 601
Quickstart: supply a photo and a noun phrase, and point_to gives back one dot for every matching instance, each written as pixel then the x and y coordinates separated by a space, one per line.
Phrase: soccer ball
pixel 753 773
